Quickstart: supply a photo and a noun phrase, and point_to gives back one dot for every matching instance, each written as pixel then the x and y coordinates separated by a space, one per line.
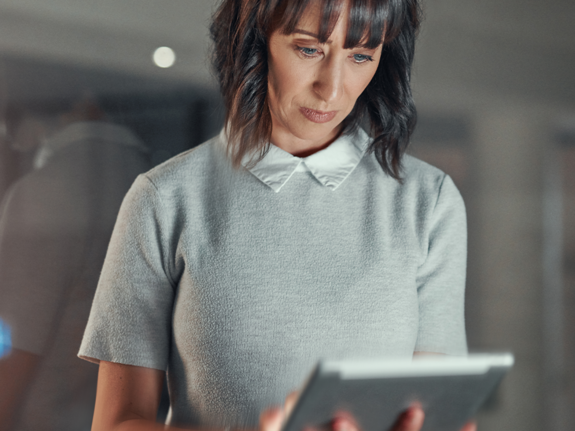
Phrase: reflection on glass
pixel 5 339
pixel 55 225
pixel 84 108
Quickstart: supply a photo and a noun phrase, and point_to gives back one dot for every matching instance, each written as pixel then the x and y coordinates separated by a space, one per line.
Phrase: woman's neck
pixel 300 147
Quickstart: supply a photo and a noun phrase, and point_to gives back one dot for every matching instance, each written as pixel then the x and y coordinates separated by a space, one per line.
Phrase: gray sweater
pixel 236 286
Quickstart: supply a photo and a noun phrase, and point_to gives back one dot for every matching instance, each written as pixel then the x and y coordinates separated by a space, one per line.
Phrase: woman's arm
pixel 127 398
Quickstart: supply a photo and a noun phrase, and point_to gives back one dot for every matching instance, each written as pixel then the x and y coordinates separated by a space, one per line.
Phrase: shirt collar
pixel 330 166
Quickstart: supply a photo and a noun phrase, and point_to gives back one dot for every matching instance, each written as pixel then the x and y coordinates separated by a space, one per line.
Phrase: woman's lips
pixel 317 116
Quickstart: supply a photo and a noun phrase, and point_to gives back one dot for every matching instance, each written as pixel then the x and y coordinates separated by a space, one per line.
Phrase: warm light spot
pixel 164 57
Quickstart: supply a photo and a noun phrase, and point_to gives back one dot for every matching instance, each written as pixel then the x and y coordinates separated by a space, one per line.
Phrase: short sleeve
pixel 130 319
pixel 441 277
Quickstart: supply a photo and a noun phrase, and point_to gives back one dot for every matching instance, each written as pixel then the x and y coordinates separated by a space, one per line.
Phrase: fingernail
pixel 410 416
pixel 341 425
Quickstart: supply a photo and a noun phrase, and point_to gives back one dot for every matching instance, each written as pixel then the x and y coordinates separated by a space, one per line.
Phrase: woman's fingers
pixel 290 402
pixel 344 424
pixel 411 420
pixel 271 419
pixel 470 426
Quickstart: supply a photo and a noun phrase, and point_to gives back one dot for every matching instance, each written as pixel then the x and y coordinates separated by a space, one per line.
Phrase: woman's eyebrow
pixel 309 33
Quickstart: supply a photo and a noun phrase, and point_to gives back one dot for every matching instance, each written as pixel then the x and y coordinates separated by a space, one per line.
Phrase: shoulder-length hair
pixel 240 31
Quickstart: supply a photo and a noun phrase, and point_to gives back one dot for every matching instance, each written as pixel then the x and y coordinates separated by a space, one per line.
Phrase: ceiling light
pixel 164 57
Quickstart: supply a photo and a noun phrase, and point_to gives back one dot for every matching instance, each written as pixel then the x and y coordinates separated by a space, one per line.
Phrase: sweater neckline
pixel 330 166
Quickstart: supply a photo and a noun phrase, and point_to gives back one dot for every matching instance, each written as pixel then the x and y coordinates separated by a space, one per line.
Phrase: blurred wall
pixel 506 70
pixel 117 34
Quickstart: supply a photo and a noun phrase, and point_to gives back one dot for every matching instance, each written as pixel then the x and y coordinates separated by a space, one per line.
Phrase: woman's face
pixel 312 87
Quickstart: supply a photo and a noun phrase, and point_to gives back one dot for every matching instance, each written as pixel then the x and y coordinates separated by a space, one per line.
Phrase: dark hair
pixel 240 31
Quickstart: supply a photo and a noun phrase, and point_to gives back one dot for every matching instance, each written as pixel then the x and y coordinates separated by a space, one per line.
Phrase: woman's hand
pixel 412 420
pixel 273 418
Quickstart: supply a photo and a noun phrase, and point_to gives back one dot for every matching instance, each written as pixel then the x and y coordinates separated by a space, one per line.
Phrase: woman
pixel 236 265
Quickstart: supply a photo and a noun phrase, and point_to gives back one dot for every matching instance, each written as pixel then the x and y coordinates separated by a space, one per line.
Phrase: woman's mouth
pixel 317 116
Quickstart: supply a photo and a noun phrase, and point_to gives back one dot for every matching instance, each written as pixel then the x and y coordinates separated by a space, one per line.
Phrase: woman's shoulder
pixel 417 171
pixel 422 176
pixel 186 168
pixel 426 183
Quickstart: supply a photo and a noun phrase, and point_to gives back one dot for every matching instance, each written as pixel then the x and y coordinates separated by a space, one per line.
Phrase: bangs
pixel 369 22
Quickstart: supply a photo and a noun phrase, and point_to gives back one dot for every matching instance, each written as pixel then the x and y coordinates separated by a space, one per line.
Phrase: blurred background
pixel 494 82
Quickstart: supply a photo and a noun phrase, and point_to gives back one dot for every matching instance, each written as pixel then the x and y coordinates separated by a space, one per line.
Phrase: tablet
pixel 375 392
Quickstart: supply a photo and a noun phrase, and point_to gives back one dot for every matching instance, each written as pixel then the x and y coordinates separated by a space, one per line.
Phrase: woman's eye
pixel 362 58
pixel 308 52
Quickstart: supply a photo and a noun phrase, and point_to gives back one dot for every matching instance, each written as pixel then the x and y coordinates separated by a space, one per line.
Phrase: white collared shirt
pixel 330 166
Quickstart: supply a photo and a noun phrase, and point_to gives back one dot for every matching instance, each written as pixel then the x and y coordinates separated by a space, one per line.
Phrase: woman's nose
pixel 329 83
